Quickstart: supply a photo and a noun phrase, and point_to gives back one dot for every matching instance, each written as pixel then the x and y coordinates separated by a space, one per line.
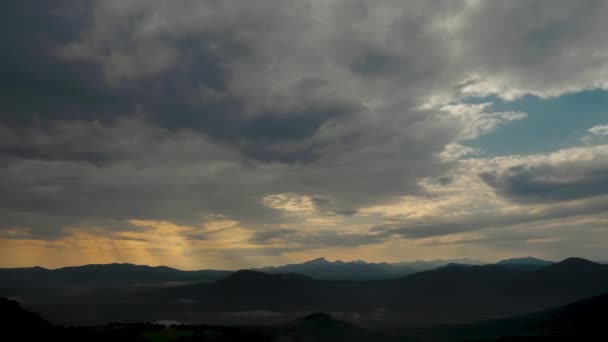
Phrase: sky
pixel 233 134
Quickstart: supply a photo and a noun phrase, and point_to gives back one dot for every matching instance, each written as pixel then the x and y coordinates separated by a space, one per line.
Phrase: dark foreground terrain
pixel 580 321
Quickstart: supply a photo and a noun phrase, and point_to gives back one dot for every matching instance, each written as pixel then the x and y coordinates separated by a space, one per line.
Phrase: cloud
pixel 554 179
pixel 479 221
pixel 298 240
pixel 478 120
pixel 234 114
pixel 152 243
pixel 457 151
pixel 545 48
pixel 495 202
pixel 289 202
pixel 17 232
pixel 596 135
pixel 599 130
pixel 88 171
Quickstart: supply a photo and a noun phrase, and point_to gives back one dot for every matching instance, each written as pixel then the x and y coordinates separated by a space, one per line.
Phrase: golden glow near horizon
pixel 157 243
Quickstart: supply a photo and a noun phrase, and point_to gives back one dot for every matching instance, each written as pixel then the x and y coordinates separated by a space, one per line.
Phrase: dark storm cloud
pixel 39 85
pixel 36 84
pixel 549 183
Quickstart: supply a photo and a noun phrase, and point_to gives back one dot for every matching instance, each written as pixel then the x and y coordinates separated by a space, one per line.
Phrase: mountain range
pixel 360 270
pixel 38 281
pixel 31 282
pixel 450 294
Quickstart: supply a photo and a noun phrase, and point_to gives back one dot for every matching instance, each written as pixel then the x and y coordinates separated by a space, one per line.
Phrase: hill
pixel 36 282
pixel 527 263
pixel 21 324
pixel 579 321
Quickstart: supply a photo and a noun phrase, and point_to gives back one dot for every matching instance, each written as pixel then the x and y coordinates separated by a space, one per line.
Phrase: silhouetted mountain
pixel 483 292
pixel 525 261
pixel 583 318
pixel 579 321
pixel 360 270
pixel 17 324
pixel 525 264
pixel 38 281
pixel 250 291
pixel 11 314
pixel 450 294
pixel 133 273
pixel 571 263
pixel 569 280
pixel 323 327
pixel 339 270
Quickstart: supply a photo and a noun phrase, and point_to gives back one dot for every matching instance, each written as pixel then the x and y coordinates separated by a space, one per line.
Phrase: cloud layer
pixel 311 124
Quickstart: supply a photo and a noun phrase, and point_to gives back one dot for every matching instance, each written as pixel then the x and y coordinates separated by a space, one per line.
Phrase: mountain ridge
pixel 449 294
pixel 529 260
pixel 323 269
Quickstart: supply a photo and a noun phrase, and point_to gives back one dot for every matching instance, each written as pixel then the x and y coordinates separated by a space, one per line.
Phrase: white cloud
pixel 596 135
pixel 457 151
pixel 289 202
pixel 599 130
pixel 477 120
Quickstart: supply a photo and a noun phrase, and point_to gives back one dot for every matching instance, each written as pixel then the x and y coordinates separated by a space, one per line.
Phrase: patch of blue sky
pixel 551 124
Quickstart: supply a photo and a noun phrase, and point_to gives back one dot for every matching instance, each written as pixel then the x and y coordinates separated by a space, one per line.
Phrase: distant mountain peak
pixel 319 261
pixel 321 268
pixel 573 265
pixel 576 262
pixel 529 260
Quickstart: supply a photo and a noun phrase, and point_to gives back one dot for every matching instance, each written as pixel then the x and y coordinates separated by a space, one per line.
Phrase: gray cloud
pixel 437 226
pixel 114 110
pixel 550 183
pixel 301 240
pixel 543 47
pixel 151 112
